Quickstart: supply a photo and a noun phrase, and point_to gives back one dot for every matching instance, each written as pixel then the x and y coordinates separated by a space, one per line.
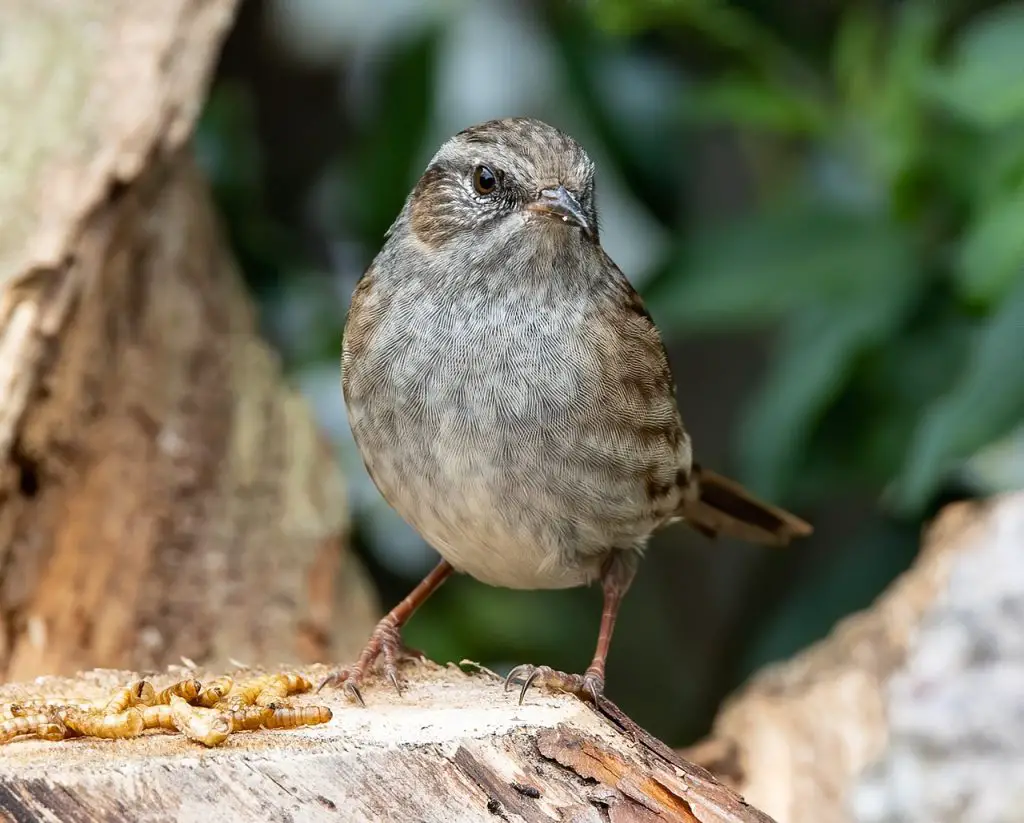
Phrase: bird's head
pixel 506 181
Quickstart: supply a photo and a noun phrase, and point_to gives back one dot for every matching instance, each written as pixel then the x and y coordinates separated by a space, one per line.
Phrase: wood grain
pixel 454 747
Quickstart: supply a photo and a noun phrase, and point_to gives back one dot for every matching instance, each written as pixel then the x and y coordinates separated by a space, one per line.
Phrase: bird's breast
pixel 484 420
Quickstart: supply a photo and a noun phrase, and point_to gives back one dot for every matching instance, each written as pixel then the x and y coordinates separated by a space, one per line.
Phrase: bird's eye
pixel 484 180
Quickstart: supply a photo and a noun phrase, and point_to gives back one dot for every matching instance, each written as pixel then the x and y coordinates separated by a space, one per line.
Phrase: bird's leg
pixel 386 641
pixel 616 576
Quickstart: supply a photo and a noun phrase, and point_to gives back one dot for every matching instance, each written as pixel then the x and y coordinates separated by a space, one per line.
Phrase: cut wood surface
pixel 163 491
pixel 455 746
pixel 910 712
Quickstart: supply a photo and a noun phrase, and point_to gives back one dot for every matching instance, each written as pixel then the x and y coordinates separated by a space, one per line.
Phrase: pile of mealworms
pixel 206 714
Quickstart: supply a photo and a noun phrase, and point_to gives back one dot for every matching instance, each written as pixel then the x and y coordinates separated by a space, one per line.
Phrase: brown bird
pixel 510 394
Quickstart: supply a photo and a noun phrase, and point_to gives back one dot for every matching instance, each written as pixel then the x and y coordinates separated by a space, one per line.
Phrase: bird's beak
pixel 560 204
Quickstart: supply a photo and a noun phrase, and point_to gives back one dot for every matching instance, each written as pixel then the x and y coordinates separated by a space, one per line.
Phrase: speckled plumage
pixel 510 395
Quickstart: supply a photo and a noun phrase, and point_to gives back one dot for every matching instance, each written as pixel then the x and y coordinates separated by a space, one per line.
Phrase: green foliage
pixel 903 220
pixel 986 400
pixel 384 164
pixel 980 82
pixel 989 258
pixel 818 353
pixel 228 150
pixel 723 24
pixel 754 103
pixel 758 269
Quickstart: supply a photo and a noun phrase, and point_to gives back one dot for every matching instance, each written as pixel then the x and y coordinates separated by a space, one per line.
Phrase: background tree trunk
pixel 162 491
pixel 909 712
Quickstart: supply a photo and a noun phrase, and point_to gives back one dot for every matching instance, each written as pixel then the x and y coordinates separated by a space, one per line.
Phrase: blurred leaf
pixel 985 404
pixel 226 140
pixel 999 467
pixel 623 95
pixel 915 36
pixel 855 55
pixel 910 373
pixel 229 152
pixel 812 365
pixel 726 25
pixel 901 129
pixel 859 442
pixel 721 21
pixel 386 162
pixel 757 269
pixel 991 254
pixel 753 103
pixel 882 124
pixel 982 82
pixel 987 167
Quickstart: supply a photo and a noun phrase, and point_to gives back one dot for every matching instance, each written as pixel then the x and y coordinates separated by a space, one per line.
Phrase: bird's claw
pixel 345 679
pixel 384 647
pixel 352 690
pixel 393 677
pixel 589 685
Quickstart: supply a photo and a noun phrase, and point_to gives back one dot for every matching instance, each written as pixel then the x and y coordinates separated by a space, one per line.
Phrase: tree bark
pixel 910 710
pixel 453 747
pixel 162 491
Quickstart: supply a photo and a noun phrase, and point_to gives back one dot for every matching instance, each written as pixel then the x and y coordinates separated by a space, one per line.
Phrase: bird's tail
pixel 717 505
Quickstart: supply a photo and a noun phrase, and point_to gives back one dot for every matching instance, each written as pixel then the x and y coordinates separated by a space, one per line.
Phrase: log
pixel 163 491
pixel 908 712
pixel 455 746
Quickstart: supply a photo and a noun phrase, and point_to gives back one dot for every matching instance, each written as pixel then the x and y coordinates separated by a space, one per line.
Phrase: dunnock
pixel 510 394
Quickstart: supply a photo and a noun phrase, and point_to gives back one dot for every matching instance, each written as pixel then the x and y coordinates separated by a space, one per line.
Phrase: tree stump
pixel 453 747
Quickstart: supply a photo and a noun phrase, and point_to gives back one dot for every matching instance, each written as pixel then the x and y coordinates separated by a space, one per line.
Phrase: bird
pixel 511 397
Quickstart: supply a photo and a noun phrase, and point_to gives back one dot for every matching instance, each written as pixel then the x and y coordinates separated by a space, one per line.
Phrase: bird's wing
pixel 638 391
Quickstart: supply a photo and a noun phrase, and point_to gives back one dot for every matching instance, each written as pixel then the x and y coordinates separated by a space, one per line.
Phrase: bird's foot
pixel 589 685
pixel 385 648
